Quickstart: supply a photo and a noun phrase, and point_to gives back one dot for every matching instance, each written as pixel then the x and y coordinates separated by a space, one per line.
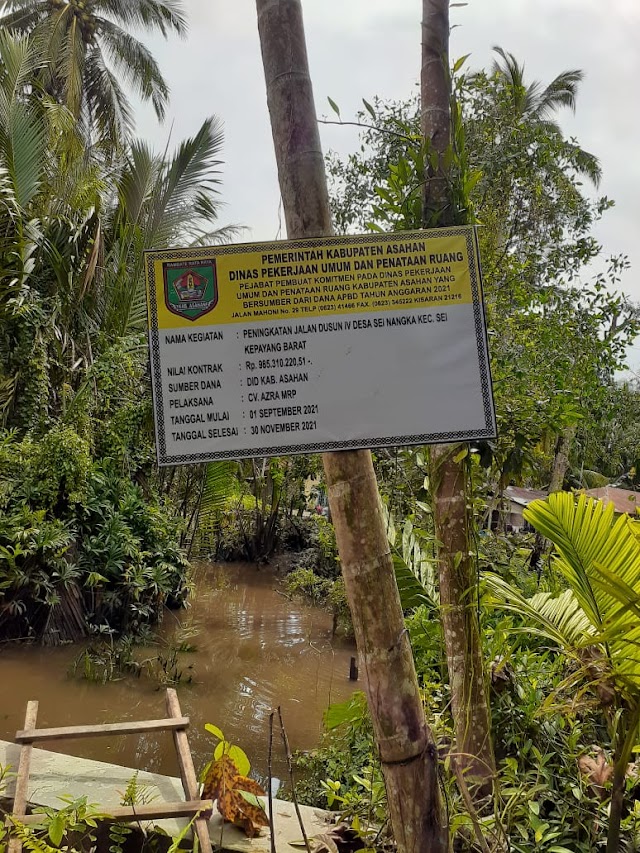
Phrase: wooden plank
pixel 152 811
pixel 22 778
pixel 30 734
pixel 187 770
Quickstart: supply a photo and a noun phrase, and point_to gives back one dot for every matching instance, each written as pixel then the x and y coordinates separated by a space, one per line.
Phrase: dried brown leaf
pixel 224 784
pixel 597 771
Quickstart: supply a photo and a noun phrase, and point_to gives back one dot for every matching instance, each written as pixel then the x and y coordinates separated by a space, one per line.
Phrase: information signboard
pixel 324 344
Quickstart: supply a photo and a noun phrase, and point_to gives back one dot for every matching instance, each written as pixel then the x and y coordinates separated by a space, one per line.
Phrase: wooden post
pixel 154 811
pixel 353 670
pixel 22 778
pixel 407 752
pixel 187 770
pixel 133 727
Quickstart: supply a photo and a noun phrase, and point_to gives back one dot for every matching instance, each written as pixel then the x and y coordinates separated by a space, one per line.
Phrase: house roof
pixel 623 500
pixel 523 496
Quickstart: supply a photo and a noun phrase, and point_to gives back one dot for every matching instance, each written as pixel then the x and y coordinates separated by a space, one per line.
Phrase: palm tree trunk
pixel 460 624
pixel 621 760
pixel 457 571
pixel 406 747
pixel 559 469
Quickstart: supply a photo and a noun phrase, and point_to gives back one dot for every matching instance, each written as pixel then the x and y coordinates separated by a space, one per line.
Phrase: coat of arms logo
pixel 191 291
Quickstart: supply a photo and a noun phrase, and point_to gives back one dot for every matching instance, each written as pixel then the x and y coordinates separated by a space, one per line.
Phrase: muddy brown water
pixel 254 650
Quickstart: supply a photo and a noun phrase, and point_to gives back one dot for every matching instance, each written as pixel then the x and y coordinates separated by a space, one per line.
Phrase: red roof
pixel 622 499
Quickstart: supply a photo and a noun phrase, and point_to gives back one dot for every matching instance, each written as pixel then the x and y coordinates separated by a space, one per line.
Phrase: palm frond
pixel 536 100
pixel 587 164
pixel 23 131
pixel 21 16
pixel 135 63
pixel 162 15
pixel 70 32
pixel 70 67
pixel 105 101
pixel 600 558
pixel 561 92
pixel 191 173
pixel 138 181
pixel 559 619
pixel 509 69
pixel 225 234
pixel 415 572
pixel 219 479
pixel 121 308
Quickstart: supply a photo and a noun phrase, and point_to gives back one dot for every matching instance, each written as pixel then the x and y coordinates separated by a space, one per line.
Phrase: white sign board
pixel 310 345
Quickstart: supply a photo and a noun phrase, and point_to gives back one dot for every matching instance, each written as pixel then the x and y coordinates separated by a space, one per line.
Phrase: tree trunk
pixel 457 570
pixel 622 756
pixel 561 459
pixel 559 469
pixel 460 625
pixel 407 752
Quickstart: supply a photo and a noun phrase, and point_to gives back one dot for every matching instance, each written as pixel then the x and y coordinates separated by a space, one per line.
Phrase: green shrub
pixel 321 552
pixel 81 547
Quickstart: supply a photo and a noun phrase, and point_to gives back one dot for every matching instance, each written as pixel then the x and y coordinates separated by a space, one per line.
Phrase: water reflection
pixel 255 650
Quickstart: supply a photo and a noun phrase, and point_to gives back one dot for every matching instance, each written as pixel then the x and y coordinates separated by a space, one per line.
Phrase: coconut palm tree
pixel 535 102
pixel 161 201
pixel 90 49
pixel 73 229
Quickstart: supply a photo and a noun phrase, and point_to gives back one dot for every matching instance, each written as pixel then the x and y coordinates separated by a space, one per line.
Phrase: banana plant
pixel 412 562
pixel 597 618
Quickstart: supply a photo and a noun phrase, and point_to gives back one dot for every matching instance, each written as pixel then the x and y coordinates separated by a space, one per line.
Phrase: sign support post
pixel 407 751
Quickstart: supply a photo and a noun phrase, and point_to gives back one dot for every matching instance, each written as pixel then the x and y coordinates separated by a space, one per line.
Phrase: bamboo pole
pixel 187 770
pixel 405 743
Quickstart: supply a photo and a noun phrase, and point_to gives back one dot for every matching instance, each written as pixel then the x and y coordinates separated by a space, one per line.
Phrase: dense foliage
pixel 563 721
pixel 90 533
pixel 93 538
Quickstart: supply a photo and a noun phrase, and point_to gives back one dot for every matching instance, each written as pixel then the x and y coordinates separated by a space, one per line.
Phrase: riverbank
pixel 53 775
pixel 252 649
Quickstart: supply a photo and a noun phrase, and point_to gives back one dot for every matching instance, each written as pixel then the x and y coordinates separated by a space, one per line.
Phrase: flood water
pixel 254 650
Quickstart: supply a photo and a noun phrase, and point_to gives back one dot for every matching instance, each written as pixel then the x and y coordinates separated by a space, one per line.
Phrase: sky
pixel 363 48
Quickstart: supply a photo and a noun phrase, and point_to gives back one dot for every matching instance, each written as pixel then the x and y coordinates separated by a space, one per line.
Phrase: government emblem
pixel 191 291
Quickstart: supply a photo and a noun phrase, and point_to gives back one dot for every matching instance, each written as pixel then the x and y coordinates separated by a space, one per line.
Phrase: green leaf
pixel 353 710
pixel 250 798
pixel 559 619
pixel 461 455
pixel 334 106
pixel 205 771
pixel 369 109
pixel 56 829
pixel 240 759
pixel 600 558
pixel 214 730
pixel 218 486
pixel 457 65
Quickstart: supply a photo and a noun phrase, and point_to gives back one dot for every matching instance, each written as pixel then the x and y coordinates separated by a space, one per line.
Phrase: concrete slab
pixel 54 775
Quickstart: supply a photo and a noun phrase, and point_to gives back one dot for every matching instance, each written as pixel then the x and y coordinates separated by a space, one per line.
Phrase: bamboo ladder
pixel 174 722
